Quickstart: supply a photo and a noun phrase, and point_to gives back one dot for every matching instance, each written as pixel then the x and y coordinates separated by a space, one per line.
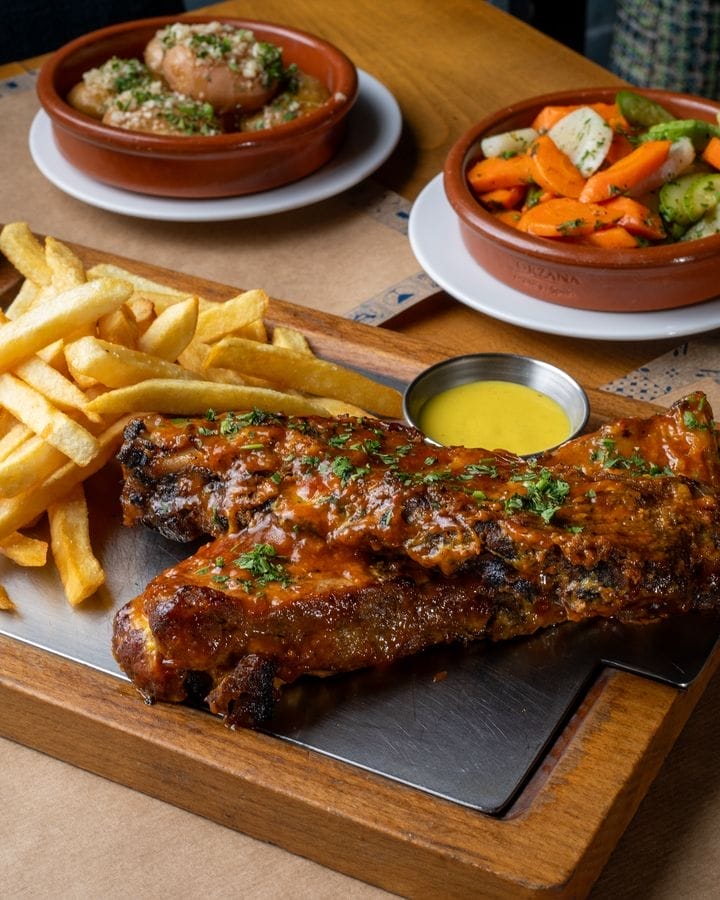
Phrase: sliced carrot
pixel 549 115
pixel 503 198
pixel 613 238
pixel 564 217
pixel 553 170
pixel 612 115
pixel 620 146
pixel 711 153
pixel 499 172
pixel 508 216
pixel 533 199
pixel 636 218
pixel 626 172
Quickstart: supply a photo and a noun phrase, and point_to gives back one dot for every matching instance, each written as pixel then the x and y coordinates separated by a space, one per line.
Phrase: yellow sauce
pixel 495 415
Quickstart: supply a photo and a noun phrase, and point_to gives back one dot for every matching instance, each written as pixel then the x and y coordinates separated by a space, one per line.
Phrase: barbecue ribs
pixel 344 543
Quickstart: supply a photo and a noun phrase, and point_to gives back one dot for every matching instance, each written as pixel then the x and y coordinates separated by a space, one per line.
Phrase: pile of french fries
pixel 82 350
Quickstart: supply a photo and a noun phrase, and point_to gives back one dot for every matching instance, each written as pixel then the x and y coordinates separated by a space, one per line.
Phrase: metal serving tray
pixel 466 724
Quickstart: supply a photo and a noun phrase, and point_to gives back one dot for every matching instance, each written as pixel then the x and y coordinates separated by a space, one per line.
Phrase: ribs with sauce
pixel 343 543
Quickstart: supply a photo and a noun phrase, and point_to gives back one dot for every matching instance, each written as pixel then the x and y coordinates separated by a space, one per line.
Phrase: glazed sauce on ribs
pixel 343 543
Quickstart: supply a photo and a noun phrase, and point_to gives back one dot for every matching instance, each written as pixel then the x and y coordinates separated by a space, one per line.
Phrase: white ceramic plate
pixel 374 125
pixel 435 238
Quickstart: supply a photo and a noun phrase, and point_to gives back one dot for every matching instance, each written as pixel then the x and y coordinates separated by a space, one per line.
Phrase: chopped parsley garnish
pixel 231 422
pixel 432 477
pixel 214 45
pixel 690 420
pixel 545 494
pixel 192 117
pixel 270 58
pixel 264 565
pixel 131 73
pixel 390 459
pixel 610 458
pixel 343 467
pixel 488 469
pixel 571 226
pixel 533 196
pixel 339 440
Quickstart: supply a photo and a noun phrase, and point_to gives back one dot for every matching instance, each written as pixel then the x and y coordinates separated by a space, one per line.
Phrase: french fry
pixel 24 550
pixel 172 330
pixel 15 437
pixel 230 376
pixel 66 268
pixel 194 355
pixel 119 327
pixel 342 408
pixel 57 317
pixel 25 298
pixel 25 252
pixel 139 283
pixel 17 512
pixel 290 338
pixel 143 311
pixel 193 358
pixel 161 301
pixel 6 603
pixel 220 319
pixel 301 371
pixel 187 398
pixel 30 463
pixel 32 409
pixel 7 422
pixel 116 366
pixel 54 355
pixel 58 389
pixel 253 331
pixel 80 572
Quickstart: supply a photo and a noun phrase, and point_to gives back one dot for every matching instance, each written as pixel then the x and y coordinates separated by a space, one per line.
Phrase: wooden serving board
pixel 555 838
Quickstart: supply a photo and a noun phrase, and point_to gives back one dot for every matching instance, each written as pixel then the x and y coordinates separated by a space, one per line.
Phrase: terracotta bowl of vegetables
pixel 200 162
pixel 599 199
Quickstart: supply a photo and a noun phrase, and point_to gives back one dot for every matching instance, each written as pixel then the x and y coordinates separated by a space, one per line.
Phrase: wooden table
pixel 447 64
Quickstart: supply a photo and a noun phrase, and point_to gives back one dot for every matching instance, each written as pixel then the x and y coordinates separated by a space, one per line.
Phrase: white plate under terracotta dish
pixel 438 246
pixel 373 130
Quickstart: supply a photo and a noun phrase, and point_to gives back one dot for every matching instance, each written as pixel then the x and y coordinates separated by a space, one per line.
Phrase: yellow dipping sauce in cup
pixel 495 415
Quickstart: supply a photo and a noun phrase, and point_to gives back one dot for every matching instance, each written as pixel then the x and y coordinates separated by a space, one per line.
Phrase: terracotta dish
pixel 222 165
pixel 664 276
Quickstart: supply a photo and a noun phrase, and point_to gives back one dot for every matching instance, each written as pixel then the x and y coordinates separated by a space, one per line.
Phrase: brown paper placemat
pixel 692 365
pixel 75 835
